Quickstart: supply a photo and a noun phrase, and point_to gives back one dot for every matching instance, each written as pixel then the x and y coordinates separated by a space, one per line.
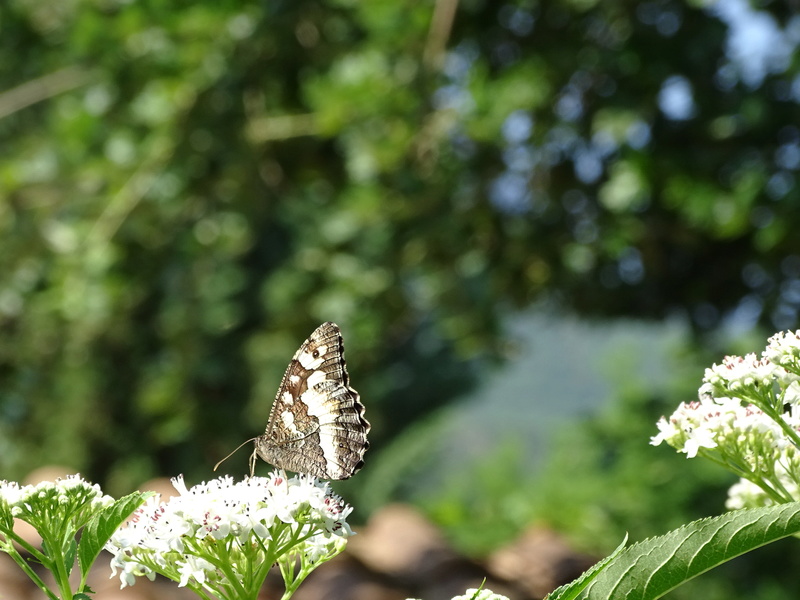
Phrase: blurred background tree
pixel 189 188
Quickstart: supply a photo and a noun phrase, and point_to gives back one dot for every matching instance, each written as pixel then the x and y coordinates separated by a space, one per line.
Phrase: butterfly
pixel 316 425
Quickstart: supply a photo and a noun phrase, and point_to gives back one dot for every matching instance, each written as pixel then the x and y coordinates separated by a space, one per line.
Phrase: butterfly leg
pixel 253 458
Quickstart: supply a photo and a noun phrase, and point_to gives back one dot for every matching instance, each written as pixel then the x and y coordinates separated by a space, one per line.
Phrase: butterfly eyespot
pixel 315 354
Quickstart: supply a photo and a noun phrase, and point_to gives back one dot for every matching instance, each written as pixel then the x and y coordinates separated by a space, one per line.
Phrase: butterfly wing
pixel 317 423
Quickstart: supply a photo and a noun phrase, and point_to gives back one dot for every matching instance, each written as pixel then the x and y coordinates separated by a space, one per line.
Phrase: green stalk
pixel 12 538
pixel 23 564
pixel 56 564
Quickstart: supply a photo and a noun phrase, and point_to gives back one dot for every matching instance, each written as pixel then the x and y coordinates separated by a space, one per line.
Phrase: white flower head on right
pixel 747 418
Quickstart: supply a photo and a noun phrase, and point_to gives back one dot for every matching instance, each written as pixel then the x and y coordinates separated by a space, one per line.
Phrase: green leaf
pixel 69 556
pixel 652 568
pixel 102 525
pixel 571 590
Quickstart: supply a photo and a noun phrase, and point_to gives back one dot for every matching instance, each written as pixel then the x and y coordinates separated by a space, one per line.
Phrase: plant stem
pixel 23 564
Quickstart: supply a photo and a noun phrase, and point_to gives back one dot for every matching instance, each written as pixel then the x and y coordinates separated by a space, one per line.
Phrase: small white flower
pixel 10 492
pixel 667 430
pixel 194 568
pixel 791 393
pixel 700 438
pixel 737 372
pixel 179 484
pixel 320 546
pixel 473 594
pixel 706 392
pixel 784 348
pixel 129 571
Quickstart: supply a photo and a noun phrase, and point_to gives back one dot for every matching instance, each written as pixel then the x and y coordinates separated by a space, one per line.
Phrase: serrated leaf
pixel 651 568
pixel 69 557
pixel 100 528
pixel 572 589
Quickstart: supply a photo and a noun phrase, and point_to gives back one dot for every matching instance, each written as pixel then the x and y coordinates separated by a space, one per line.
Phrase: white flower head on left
pixel 221 537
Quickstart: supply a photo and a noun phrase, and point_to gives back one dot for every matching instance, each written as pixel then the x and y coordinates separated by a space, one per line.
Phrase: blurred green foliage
pixel 189 188
pixel 600 479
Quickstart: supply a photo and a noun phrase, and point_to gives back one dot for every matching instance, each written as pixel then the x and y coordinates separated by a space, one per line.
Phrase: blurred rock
pixel 162 486
pixel 538 562
pixel 403 547
pixel 344 579
pixel 13 582
pixel 28 533
pixel 401 544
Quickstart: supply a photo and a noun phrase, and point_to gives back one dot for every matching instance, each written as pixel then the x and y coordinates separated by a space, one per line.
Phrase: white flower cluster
pixel 68 496
pixel 225 535
pixel 58 511
pixel 719 423
pixel 747 418
pixel 784 350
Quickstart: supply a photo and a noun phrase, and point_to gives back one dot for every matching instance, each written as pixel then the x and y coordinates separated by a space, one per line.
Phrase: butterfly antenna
pixel 232 453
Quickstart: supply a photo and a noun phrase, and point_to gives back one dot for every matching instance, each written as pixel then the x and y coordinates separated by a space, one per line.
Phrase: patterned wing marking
pixel 316 425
